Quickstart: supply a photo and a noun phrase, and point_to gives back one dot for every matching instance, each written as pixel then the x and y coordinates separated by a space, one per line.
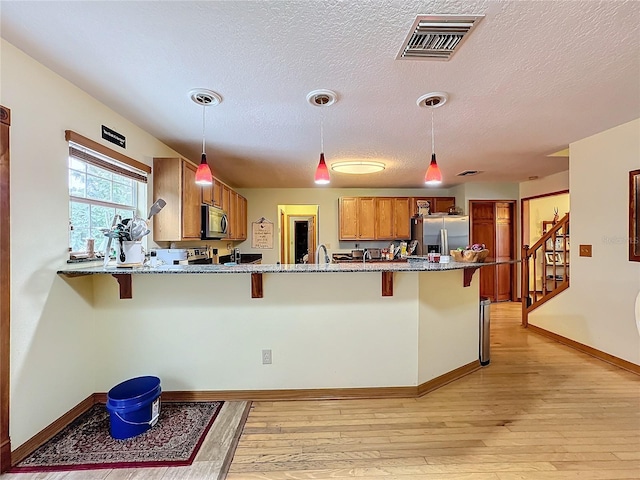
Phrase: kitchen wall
pixel 53 325
pixel 263 202
pixel 598 308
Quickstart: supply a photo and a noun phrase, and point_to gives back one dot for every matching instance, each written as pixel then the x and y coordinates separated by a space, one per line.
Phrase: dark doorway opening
pixel 301 236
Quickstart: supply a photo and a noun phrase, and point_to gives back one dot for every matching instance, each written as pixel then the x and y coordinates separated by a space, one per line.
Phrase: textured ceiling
pixel 532 77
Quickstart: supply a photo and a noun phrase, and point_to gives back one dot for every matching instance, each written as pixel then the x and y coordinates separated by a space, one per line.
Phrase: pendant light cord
pixel 203 114
pixel 433 141
pixel 322 135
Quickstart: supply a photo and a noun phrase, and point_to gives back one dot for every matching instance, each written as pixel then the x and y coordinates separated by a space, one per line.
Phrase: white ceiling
pixel 531 78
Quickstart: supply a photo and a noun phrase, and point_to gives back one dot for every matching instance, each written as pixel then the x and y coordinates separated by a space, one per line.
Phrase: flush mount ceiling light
pixel 206 98
pixel 322 98
pixel 433 101
pixel 358 167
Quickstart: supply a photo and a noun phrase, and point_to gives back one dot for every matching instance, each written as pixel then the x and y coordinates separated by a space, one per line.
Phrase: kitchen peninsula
pixel 331 330
pixel 334 330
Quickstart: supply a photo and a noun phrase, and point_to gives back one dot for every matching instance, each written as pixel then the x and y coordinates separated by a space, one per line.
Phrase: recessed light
pixel 357 167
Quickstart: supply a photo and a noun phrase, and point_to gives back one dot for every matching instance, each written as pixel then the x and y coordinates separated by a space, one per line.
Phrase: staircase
pixel 545 268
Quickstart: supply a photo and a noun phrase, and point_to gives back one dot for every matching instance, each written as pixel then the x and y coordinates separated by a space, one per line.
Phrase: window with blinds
pixel 100 187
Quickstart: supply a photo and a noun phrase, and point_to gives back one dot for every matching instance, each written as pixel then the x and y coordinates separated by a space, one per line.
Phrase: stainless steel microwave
pixel 214 223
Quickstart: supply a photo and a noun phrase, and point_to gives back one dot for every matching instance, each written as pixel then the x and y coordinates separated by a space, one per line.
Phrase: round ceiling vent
pixel 205 97
pixel 433 99
pixel 322 98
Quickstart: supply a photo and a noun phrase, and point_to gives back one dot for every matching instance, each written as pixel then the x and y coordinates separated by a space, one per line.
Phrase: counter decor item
pixel 476 253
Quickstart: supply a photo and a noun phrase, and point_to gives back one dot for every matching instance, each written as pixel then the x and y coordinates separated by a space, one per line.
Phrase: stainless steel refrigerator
pixel 440 233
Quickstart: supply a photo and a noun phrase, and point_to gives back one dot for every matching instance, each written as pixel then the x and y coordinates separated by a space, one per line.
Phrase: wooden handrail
pixel 530 299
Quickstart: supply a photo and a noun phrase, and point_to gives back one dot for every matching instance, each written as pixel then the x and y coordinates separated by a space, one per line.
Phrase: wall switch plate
pixel 266 357
pixel 585 250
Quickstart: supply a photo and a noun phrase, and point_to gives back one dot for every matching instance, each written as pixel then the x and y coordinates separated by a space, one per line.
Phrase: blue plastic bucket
pixel 134 406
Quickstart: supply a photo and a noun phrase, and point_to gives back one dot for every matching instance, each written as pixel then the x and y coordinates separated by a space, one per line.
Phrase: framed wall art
pixel 634 218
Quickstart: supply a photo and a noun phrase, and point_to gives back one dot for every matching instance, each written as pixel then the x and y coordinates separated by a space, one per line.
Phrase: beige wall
pixel 541 209
pixel 263 202
pixel 598 308
pixel 557 182
pixel 53 327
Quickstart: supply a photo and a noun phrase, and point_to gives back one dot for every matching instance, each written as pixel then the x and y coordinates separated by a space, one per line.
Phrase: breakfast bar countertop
pixel 413 265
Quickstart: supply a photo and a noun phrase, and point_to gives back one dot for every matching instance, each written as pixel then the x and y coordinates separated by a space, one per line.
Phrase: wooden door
pixel 366 218
pixel 504 249
pixel 190 202
pixel 5 288
pixel 492 223
pixel 401 218
pixel 348 218
pixel 483 231
pixel 384 218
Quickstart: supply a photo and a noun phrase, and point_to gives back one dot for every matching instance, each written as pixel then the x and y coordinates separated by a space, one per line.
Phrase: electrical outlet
pixel 266 357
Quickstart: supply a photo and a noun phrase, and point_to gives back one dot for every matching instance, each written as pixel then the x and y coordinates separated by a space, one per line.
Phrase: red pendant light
pixel 433 175
pixel 322 172
pixel 203 174
pixel 205 98
pixel 433 100
pixel 322 98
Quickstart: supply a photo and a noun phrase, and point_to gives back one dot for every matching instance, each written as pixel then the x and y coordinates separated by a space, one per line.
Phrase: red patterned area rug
pixel 86 442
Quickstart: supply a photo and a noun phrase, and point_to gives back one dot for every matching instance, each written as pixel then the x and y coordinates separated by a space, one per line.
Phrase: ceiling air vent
pixel 468 173
pixel 437 37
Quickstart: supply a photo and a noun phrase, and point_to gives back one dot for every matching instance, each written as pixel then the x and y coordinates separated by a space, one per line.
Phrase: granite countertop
pixel 415 264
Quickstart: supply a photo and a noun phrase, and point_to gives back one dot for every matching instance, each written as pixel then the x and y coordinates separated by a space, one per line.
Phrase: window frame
pixel 108 161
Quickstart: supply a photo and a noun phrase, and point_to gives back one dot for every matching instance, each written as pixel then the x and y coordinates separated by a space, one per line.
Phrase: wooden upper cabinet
pixel 207 194
pixel 348 218
pixel 357 218
pixel 381 218
pixel 438 204
pixel 401 218
pixel 366 218
pixel 174 180
pixel 191 219
pixel 414 205
pixel 384 217
pixel 242 218
pixel 228 205
pixel 442 204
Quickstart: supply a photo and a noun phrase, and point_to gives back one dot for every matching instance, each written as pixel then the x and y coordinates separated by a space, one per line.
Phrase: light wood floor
pixel 208 464
pixel 539 411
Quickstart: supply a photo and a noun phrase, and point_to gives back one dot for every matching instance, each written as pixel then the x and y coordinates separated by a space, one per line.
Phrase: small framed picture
pixel 553 257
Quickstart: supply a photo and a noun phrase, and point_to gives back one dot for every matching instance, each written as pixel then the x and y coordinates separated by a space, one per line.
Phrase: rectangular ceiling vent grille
pixel 437 37
pixel 468 173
